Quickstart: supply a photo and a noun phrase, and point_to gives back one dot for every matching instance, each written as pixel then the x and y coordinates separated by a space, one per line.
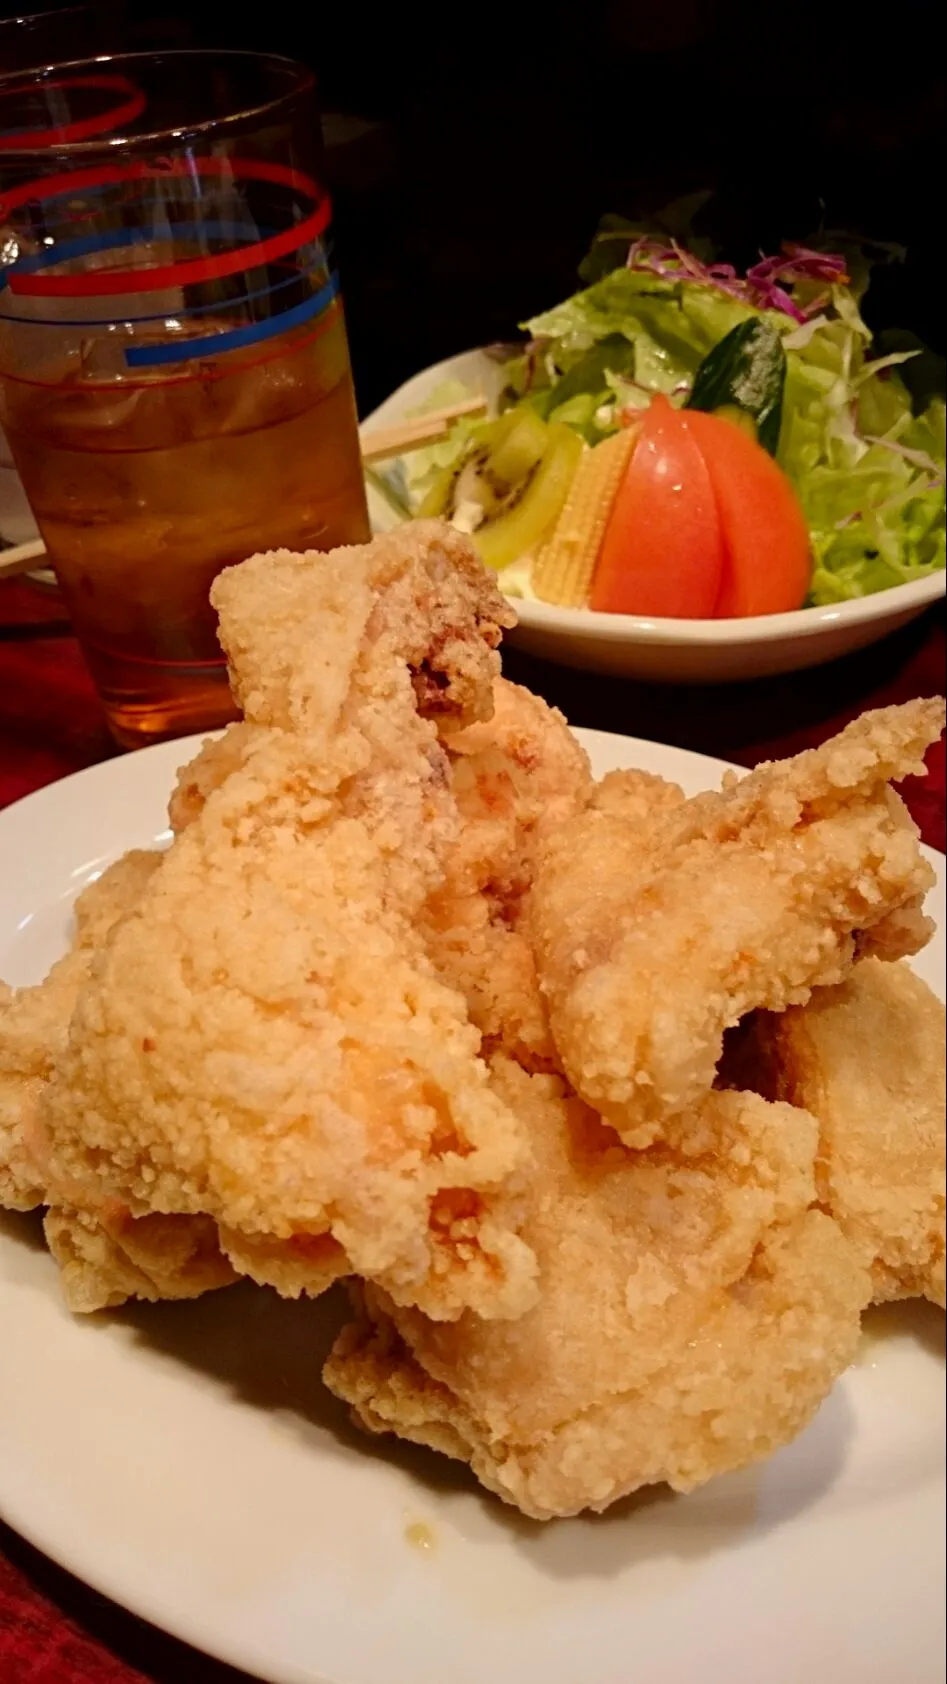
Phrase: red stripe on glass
pixel 189 271
pixel 26 140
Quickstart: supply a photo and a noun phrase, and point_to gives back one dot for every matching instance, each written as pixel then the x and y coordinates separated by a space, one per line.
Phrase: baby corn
pixel 565 562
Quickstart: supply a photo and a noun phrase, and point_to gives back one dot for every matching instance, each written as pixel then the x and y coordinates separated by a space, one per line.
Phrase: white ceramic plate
pixel 185 1459
pixel 669 651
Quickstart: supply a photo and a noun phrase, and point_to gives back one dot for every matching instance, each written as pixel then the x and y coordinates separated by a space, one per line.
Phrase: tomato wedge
pixel 768 562
pixel 663 551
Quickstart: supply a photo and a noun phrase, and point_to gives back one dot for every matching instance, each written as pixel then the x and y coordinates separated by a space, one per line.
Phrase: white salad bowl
pixel 659 650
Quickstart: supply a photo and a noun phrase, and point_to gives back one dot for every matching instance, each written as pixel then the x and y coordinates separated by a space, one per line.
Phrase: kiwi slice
pixel 508 486
pixel 526 517
pixel 516 447
pixel 440 497
pixel 490 473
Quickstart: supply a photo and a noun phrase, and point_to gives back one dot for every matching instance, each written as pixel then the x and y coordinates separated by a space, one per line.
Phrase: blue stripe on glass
pixel 234 303
pixel 62 253
pixel 185 350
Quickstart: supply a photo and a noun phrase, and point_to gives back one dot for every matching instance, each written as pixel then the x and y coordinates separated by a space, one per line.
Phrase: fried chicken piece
pixel 30 1019
pixel 513 778
pixel 867 1059
pixel 540 773
pixel 633 796
pixel 214 762
pixel 654 934
pixel 694 1312
pixel 34 1022
pixel 105 1254
pixel 264 1041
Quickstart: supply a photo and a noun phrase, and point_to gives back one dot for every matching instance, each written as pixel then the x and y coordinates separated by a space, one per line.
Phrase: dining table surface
pixel 54 1630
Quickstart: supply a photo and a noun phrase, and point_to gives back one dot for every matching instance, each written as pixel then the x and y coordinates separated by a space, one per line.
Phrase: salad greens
pixel 861 435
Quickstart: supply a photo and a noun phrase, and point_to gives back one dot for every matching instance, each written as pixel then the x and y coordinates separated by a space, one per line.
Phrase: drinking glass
pixel 38 38
pixel 174 372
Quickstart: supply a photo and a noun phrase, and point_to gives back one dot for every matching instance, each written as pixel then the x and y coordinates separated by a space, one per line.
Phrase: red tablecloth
pixel 53 1630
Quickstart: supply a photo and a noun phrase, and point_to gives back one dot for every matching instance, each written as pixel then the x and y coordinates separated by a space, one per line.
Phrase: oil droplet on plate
pixel 420 1537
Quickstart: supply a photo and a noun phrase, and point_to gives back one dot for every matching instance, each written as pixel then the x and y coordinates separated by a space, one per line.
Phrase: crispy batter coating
pixel 867 1059
pixel 653 936
pixel 694 1312
pixel 33 1026
pixel 105 1254
pixel 410 999
pixel 264 1040
pixel 514 778
pixel 634 796
pixel 109 1256
pixel 214 762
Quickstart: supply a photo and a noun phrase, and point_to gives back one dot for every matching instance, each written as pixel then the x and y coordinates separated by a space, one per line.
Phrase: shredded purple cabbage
pixel 763 286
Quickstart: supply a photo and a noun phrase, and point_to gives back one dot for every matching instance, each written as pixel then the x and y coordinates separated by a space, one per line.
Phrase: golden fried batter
pixel 410 999
pixel 105 1254
pixel 265 1041
pixel 514 778
pixel 694 1312
pixel 867 1059
pixel 109 1256
pixel 33 1026
pixel 654 934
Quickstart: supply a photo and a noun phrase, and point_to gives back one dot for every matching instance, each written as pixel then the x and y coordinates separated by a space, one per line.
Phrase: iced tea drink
pixel 144 491
pixel 174 373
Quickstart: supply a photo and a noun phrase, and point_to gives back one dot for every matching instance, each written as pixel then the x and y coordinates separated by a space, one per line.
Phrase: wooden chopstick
pixel 377 445
pixel 21 558
pixel 381 442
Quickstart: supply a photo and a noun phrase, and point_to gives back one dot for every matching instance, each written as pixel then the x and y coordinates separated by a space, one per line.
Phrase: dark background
pixel 472 147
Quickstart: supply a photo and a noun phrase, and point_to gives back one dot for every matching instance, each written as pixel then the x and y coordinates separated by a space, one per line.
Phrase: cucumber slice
pixel 745 372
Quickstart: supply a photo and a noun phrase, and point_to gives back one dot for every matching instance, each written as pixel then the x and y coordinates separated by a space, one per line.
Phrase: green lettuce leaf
pixel 683 320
